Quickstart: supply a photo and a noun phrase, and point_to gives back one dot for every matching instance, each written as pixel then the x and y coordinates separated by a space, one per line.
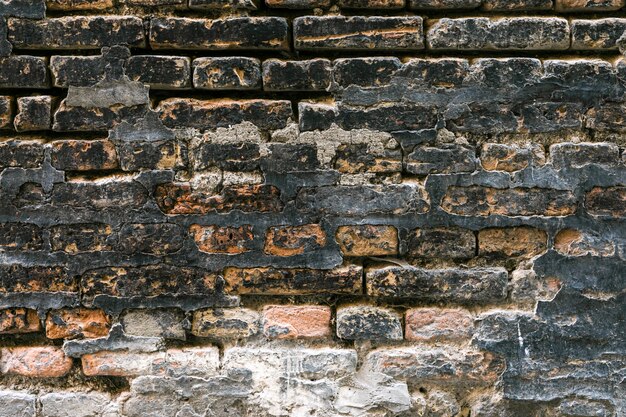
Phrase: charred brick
pixel 20 236
pixel 84 155
pixel 151 238
pixel 23 153
pixel 160 72
pixel 23 71
pixel 451 243
pixel 227 73
pixel 368 323
pixel 600 34
pixel 309 75
pixel 77 238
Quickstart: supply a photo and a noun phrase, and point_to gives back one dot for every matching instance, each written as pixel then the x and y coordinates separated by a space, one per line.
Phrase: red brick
pixel 19 320
pixel 42 362
pixel 437 324
pixel 79 322
pixel 295 322
pixel 294 240
pixel 367 240
pixel 216 239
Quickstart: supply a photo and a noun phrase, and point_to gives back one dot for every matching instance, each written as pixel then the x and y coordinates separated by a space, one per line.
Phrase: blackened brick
pixel 20 236
pixel 297 4
pixel 365 72
pixel 358 32
pixel 23 71
pixel 371 4
pixel 160 72
pixel 444 159
pixel 77 32
pixel 597 34
pixel 18 278
pixel 210 114
pixel 224 4
pixel 227 73
pixel 30 9
pixel 309 75
pixel 242 156
pixel 82 237
pixel 33 113
pixel 72 5
pixel 6 111
pixel 84 155
pixel 510 5
pixel 233 33
pixel 80 71
pixel 444 4
pixel 99 195
pixel 151 238
pixel 25 154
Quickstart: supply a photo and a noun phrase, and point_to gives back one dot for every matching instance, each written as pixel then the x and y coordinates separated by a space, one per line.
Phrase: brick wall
pixel 312 208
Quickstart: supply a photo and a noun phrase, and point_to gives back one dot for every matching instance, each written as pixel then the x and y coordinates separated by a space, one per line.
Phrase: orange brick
pixel 215 239
pixel 43 362
pixel 295 322
pixel 79 322
pixel 437 324
pixel 512 241
pixel 294 240
pixel 19 320
pixel 367 240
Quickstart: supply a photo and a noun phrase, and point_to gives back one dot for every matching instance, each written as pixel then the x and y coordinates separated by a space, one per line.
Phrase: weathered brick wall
pixel 312 208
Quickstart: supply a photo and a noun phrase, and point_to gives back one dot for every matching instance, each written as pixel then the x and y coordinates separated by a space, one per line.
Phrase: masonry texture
pixel 312 208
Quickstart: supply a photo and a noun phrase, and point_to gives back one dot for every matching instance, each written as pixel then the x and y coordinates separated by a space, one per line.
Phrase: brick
pixel 511 157
pixel 358 32
pixel 372 4
pixel 72 5
pixel 99 195
pixel 74 404
pixel 76 238
pixel 367 240
pixel 361 322
pixel 20 236
pixel 31 9
pixel 80 71
pixel 22 153
pixel 77 323
pixel 168 324
pixel 512 242
pixel 227 240
pixel 33 113
pixel 20 279
pixel 308 75
pixel 238 156
pixel 135 156
pixel 438 324
pixel 609 201
pixel 501 73
pixel 230 323
pixel 76 32
pixel 38 362
pixel 341 280
pixel 577 155
pixel 6 112
pixel 160 72
pixel 296 322
pixel 443 159
pixel 510 5
pixel 444 4
pixel 173 362
pixel 391 199
pixel 356 158
pixel 515 33
pixel 294 240
pixel 365 72
pixel 233 33
pixel 486 201
pixel 572 242
pixel 18 321
pixel 181 199
pixel 227 73
pixel 297 4
pixel 84 155
pixel 477 285
pixel 151 238
pixel 23 71
pixel 17 404
pixel 153 3
pixel 598 34
pixel 588 5
pixel 211 114
pixel 224 4
pixel 448 242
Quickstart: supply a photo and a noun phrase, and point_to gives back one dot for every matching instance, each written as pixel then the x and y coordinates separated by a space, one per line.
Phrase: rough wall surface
pixel 312 208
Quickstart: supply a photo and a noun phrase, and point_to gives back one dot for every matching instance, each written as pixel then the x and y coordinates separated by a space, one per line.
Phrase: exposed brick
pixel 84 155
pixel 438 324
pixel 20 236
pixel 6 112
pixel 39 362
pixel 577 155
pixel 444 4
pixel 444 159
pixel 230 323
pixel 371 4
pixel 308 75
pixel 210 114
pixel 232 33
pixel 18 279
pixel 151 238
pixel 512 241
pixel 510 5
pixel 217 239
pixel 79 322
pixel 363 322
pixel 71 5
pixel 173 362
pixel 450 242
pixel 610 201
pixel 341 280
pixel 297 4
pixel 358 32
pixel 600 34
pixel 588 5
pixel 33 113
pixel 76 238
pixel 19 320
pixel 22 153
pixel 76 32
pixel 485 201
pixel 572 242
pixel 227 73
pixel 294 240
pixel 367 240
pixel 296 322
pixel 160 72
pixel 168 324
pixel 511 157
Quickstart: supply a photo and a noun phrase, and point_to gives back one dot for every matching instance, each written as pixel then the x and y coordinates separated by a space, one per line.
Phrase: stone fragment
pixel 33 113
pixel 609 201
pixel 217 239
pixel 294 240
pixel 219 34
pixel 77 323
pixel 167 324
pixel 438 324
pixel 362 322
pixel 367 240
pixel 341 280
pixel 20 236
pixel 37 362
pixel 19 320
pixel 572 242
pixel 227 73
pixel 307 75
pixel 512 242
pixel 17 403
pixel 365 72
pixel 228 323
pixel 358 33
pixel 84 155
pixel 74 404
pixel 450 242
pixel 511 157
pixel 160 72
pixel 476 285
pixel 296 321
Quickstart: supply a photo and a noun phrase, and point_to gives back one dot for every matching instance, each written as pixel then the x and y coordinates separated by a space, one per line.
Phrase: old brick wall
pixel 322 208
